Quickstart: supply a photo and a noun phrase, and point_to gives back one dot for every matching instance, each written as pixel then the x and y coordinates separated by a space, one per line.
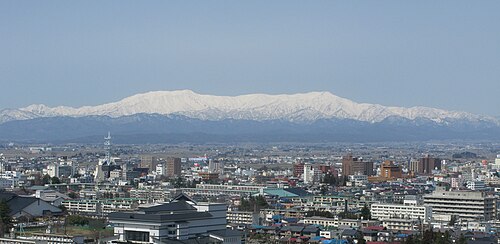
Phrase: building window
pixel 136 236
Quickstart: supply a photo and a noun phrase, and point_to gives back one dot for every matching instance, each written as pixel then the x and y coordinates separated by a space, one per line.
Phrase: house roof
pixel 178 206
pixel 298 191
pixel 292 228
pixel 311 228
pixel 7 196
pixel 182 197
pixel 287 192
pixel 34 188
pixel 226 233
pixel 17 204
pixel 280 192
pixel 349 232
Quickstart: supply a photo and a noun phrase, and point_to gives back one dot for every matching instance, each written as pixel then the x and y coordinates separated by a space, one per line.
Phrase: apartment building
pixel 242 217
pixel 407 210
pixel 344 223
pixel 401 224
pixel 466 205
pixel 103 206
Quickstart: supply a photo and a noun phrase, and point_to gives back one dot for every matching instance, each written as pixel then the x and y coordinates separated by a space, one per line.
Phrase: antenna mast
pixel 107 147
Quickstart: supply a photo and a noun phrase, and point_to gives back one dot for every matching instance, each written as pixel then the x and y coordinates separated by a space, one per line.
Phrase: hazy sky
pixel 443 54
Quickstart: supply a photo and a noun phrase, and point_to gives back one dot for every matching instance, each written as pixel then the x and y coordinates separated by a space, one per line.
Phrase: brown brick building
pixel 352 165
pixel 173 167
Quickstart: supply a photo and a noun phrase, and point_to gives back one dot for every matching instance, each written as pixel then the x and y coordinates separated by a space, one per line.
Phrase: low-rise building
pixel 103 206
pixel 242 217
pixel 82 206
pixel 340 223
pixel 401 224
pixel 382 211
pixel 180 219
pixel 476 185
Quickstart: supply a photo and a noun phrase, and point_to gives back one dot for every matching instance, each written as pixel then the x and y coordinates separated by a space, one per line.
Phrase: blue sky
pixel 443 54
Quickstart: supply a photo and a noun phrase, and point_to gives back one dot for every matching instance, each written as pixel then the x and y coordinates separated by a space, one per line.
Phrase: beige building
pixel 407 210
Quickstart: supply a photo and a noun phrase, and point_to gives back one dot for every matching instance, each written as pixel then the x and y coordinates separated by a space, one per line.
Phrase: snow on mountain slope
pixel 304 107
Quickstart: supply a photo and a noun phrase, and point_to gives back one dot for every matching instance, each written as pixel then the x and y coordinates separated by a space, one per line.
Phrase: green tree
pixel 77 220
pixel 55 180
pixel 447 238
pixel 442 238
pixel 323 190
pixel 46 179
pixel 428 237
pixel 347 215
pixel 5 218
pixel 96 226
pixel 462 239
pixel 360 239
pixel 325 214
pixel 178 182
pixel 192 184
pixel 453 220
pixel 253 203
pixel 330 179
pixel 63 208
pixel 72 195
pixel 261 202
pixel 343 181
pixel 365 212
pixel 410 240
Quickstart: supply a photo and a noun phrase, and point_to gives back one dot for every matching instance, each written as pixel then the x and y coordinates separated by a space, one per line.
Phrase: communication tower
pixel 107 147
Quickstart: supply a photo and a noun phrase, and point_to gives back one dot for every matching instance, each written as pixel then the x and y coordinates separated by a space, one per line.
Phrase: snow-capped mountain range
pixel 299 108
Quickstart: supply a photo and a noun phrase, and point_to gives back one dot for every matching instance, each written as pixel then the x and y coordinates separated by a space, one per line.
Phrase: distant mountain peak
pixel 300 107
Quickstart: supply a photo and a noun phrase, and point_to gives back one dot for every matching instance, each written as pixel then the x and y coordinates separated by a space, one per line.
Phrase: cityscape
pixel 249 122
pixel 251 193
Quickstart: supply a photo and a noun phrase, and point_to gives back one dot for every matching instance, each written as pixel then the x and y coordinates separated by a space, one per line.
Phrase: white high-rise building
pixel 53 170
pixel 466 205
pixel 308 174
pixel 99 173
pixel 496 165
pixel 311 174
pixel 160 169
pixel 215 166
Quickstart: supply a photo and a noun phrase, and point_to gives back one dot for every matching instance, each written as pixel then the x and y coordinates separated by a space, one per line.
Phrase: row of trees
pixel 253 203
pixel 326 214
pixel 430 236
pixel 334 180
pixel 5 219
pixel 50 180
pixel 365 214
pixel 181 182
pixel 96 226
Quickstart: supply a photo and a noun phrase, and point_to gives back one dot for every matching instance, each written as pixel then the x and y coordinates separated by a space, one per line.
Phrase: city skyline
pixel 440 55
pixel 249 122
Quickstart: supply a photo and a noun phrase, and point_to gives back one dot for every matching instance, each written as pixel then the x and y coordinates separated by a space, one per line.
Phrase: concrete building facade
pixel 466 205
